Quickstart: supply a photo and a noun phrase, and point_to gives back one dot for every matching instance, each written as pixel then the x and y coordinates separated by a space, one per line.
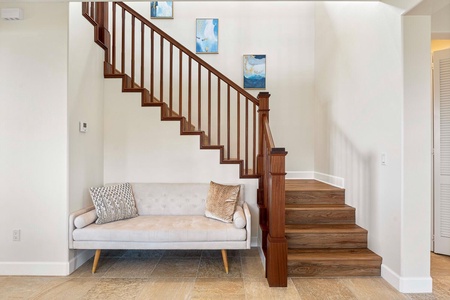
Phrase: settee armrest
pixel 248 218
pixel 72 217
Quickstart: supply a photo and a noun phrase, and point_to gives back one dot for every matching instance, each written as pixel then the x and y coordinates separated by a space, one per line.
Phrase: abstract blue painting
pixel 255 71
pixel 207 36
pixel 161 9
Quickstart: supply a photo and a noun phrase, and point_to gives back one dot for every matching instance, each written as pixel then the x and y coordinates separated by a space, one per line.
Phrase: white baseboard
pixel 80 258
pixel 330 179
pixel 254 241
pixel 299 175
pixel 34 268
pixel 45 268
pixel 326 178
pixel 407 284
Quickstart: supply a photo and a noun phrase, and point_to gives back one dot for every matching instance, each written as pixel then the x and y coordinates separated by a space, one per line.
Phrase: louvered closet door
pixel 442 151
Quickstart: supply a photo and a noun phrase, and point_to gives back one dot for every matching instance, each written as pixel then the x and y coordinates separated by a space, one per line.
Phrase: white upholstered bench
pixel 170 216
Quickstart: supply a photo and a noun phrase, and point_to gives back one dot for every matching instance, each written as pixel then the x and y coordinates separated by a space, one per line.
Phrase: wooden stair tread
pixel 318 207
pixel 323 228
pixel 308 185
pixel 332 254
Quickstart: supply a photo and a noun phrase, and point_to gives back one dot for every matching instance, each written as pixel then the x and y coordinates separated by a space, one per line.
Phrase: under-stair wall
pixel 139 147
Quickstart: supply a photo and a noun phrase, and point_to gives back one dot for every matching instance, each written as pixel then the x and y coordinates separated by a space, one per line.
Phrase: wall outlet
pixel 16 235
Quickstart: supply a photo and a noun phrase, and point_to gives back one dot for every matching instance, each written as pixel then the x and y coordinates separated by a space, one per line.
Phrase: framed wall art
pixel 254 71
pixel 207 36
pixel 161 9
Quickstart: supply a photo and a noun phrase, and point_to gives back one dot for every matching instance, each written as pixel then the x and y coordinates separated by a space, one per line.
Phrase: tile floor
pixel 199 275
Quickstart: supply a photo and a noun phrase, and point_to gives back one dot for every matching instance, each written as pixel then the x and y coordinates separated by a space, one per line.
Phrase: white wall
pixel 361 103
pixel 284 31
pixel 85 104
pixel 416 148
pixel 33 140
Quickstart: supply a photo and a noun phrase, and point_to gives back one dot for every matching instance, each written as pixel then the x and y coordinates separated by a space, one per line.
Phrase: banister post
pixel 263 112
pixel 276 240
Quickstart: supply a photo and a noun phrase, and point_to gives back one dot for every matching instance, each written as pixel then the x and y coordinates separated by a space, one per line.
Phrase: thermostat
pixel 83 126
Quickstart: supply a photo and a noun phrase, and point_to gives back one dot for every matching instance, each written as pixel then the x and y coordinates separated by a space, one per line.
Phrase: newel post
pixel 276 240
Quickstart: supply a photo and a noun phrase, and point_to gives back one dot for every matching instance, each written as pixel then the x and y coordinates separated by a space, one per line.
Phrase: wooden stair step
pixel 304 236
pixel 300 191
pixel 333 262
pixel 319 214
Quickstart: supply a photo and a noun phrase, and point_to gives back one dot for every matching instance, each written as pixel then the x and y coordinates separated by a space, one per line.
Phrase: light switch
pixel 83 127
pixel 383 159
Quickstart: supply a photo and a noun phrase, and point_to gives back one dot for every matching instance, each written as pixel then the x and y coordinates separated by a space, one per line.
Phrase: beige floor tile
pixel 372 288
pixel 143 253
pixel 113 253
pixel 182 253
pixel 252 267
pixel 250 252
pixel 75 288
pixel 132 268
pixel 116 288
pixel 167 289
pixel 218 253
pixel 17 287
pixel 258 288
pixel 104 264
pixel 214 268
pixel 218 288
pixel 176 267
pixel 322 288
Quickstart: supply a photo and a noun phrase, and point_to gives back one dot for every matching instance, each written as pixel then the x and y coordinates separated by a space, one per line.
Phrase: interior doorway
pixel 441 187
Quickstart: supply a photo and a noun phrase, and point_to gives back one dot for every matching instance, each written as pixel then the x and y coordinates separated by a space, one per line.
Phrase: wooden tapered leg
pixel 96 258
pixel 225 260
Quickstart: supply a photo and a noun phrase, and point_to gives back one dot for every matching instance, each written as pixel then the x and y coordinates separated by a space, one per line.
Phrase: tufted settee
pixel 170 216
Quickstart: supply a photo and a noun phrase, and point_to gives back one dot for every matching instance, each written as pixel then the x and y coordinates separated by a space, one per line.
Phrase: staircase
pixel 312 233
pixel 323 239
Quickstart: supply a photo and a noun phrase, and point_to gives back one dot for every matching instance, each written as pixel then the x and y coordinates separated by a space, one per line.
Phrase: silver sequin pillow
pixel 113 202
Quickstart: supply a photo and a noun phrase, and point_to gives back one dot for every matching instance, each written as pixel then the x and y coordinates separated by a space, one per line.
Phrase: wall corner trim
pixel 407 284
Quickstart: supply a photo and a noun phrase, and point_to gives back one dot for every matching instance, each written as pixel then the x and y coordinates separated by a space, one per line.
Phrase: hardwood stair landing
pixel 323 239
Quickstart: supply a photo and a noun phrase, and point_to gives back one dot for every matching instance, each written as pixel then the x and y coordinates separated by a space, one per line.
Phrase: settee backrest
pixel 173 198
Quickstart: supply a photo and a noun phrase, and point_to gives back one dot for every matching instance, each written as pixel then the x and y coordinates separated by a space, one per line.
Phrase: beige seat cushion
pixel 162 229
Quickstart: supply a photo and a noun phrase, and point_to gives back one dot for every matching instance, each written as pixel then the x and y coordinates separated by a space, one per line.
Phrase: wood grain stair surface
pixel 323 238
pixel 320 214
pixel 305 236
pixel 336 262
pixel 313 192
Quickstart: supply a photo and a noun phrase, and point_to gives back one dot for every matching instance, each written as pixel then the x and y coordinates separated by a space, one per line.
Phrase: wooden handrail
pixel 189 53
pixel 247 137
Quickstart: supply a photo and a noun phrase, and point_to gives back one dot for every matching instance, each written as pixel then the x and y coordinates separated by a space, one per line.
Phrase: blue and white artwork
pixel 207 36
pixel 161 9
pixel 255 71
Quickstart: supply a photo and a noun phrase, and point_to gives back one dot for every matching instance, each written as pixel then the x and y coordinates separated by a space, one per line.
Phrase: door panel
pixel 442 151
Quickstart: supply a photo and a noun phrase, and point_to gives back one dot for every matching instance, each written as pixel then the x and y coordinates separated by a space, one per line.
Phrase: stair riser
pixel 334 268
pixel 330 241
pixel 315 197
pixel 320 216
